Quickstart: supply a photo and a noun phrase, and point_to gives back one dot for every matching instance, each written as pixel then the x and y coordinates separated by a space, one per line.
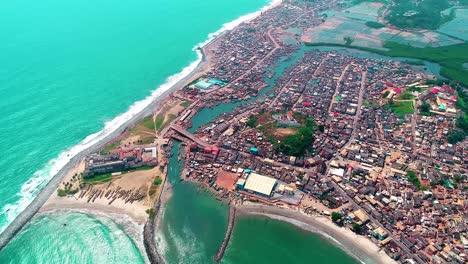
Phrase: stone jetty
pixel 227 236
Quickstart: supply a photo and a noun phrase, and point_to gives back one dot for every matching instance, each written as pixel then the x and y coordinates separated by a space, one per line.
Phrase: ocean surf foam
pixel 40 178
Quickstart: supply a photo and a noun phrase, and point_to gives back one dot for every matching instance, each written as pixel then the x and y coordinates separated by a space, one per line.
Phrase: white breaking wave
pixel 40 178
pixel 32 187
pixel 231 25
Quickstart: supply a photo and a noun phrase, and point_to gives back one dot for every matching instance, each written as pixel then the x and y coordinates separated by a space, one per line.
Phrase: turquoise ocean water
pixel 70 66
pixel 68 69
pixel 71 238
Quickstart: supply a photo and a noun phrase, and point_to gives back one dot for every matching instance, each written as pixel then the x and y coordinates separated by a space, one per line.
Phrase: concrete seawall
pixel 148 238
pixel 227 236
pixel 150 228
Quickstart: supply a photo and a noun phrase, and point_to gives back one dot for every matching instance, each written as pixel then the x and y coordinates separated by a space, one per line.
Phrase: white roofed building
pixel 259 184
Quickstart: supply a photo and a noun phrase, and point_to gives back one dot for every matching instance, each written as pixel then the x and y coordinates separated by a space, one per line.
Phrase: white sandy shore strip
pixel 134 211
pixel 28 213
pixel 22 219
pixel 131 228
pixel 358 246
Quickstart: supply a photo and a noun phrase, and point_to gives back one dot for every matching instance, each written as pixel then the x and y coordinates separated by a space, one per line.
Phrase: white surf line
pixel 35 192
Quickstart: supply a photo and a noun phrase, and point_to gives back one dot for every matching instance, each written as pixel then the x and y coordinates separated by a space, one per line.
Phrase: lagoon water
pixel 68 67
pixel 193 225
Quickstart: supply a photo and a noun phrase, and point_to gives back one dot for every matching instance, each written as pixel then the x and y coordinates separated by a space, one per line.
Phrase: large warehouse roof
pixel 260 184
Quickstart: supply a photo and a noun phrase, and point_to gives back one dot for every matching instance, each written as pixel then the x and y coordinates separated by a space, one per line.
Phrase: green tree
pixel 425 108
pixel 357 228
pixel 157 181
pixel 348 40
pixel 321 128
pixel 462 123
pixel 252 121
pixel 298 144
pixel 336 216
pixel 455 136
pixel 310 123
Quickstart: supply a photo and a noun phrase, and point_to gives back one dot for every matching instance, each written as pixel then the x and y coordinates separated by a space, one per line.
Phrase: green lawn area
pixel 401 109
pixel 139 169
pixel 169 119
pixel 162 122
pixel 406 95
pixel 148 122
pixel 373 24
pixel 185 104
pixel 159 122
pixel 109 147
pixel 108 176
pixel 99 178
pixel 451 58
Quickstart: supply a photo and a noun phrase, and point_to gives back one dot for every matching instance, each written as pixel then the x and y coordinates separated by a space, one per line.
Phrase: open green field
pixel 406 95
pixel 98 179
pixel 372 34
pixel 162 121
pixel 148 122
pixel 108 176
pixel 109 147
pixel 365 11
pixel 401 108
pixel 185 103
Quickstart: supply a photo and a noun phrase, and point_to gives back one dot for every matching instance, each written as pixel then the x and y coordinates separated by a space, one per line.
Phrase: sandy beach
pixel 50 189
pixel 358 246
pixel 136 182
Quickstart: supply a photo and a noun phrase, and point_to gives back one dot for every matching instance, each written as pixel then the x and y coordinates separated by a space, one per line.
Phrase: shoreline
pixel 69 203
pixel 87 146
pixel 28 213
pixel 131 228
pixel 357 246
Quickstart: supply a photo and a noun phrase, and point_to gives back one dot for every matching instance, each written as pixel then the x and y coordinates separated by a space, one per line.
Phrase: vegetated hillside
pixel 419 14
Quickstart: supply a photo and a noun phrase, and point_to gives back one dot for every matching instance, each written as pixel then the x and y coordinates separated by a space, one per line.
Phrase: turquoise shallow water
pixel 193 225
pixel 68 67
pixel 263 240
pixel 71 238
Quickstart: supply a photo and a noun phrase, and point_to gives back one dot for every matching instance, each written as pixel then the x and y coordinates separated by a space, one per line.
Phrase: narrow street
pixel 337 88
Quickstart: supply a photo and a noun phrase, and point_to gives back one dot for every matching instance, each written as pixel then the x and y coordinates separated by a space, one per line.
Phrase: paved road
pixel 375 221
pixel 337 88
pixel 342 191
pixel 358 110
